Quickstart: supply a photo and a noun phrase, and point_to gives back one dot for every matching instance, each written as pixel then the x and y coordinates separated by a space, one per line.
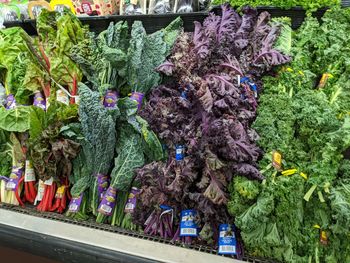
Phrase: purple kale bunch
pixel 208 107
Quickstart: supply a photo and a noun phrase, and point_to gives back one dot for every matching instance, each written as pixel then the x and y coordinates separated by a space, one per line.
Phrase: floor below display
pixel 9 255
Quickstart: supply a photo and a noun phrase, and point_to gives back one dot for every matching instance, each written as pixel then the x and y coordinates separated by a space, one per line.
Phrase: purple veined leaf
pixel 200 40
pixel 210 25
pixel 262 25
pixel 229 24
pixel 267 54
pixel 249 171
pixel 221 104
pixel 249 17
pixel 214 191
pixel 203 204
pixel 232 63
pixel 221 84
pixel 166 68
pixel 272 58
pixel 205 97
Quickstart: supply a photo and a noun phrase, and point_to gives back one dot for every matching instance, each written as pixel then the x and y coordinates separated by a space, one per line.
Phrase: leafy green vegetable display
pixel 244 121
pixel 299 212
pixel 310 5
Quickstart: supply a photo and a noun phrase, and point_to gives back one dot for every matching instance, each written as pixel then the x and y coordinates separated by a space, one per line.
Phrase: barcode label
pixel 105 208
pixel 40 194
pixel 227 249
pixel 41 191
pixel 188 231
pixel 29 175
pixel 73 207
pixel 129 207
pixel 10 186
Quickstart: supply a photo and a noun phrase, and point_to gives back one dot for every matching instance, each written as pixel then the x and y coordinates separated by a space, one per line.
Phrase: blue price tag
pixel 188 226
pixel 227 240
pixel 180 152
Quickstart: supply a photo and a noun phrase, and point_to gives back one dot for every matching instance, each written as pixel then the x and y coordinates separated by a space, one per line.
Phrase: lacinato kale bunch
pixel 205 109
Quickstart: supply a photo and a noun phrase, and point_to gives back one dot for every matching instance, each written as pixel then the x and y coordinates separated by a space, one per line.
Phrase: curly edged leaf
pixel 201 41
pixel 267 55
pixel 241 38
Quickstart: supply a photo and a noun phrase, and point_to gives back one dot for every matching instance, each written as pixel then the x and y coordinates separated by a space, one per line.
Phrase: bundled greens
pixel 103 58
pixel 20 73
pixel 244 122
pixel 206 109
pixel 146 52
pixel 99 129
pixel 309 5
pixel 298 215
pixel 58 33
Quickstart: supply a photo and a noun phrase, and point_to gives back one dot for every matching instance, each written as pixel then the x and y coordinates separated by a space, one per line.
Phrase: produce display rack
pixel 97 24
pixel 57 237
pixel 153 23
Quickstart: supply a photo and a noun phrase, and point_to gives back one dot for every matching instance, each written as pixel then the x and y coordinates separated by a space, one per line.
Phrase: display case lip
pixel 99 244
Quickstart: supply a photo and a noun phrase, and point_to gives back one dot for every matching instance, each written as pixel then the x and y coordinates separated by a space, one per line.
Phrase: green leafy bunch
pixel 309 5
pixel 20 73
pixel 308 124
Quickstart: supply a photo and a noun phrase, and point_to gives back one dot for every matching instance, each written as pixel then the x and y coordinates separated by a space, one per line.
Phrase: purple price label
pixel 39 100
pixel 137 96
pixel 131 203
pixel 110 99
pixel 12 184
pixel 75 203
pixel 10 102
pixel 102 183
pixel 108 202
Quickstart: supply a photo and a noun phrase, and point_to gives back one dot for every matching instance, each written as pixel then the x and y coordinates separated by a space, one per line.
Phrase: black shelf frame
pixel 61 249
pixel 97 24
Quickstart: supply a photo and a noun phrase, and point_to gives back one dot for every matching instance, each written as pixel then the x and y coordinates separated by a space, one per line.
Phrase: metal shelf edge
pixel 93 241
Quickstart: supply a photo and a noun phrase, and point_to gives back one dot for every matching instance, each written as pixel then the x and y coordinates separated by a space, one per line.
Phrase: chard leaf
pixel 37 122
pixel 15 120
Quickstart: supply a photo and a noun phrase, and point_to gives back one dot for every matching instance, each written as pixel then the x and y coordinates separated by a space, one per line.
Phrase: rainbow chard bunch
pixel 206 110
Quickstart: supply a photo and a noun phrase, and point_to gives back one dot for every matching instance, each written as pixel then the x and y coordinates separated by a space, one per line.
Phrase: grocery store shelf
pixel 75 243
pixel 97 24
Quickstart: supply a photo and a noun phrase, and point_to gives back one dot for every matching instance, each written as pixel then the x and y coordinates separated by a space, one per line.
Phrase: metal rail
pixel 108 237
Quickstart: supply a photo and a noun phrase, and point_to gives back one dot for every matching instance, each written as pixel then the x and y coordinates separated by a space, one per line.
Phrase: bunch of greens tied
pixel 206 109
pixel 300 212
pixel 308 5
pixel 113 130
